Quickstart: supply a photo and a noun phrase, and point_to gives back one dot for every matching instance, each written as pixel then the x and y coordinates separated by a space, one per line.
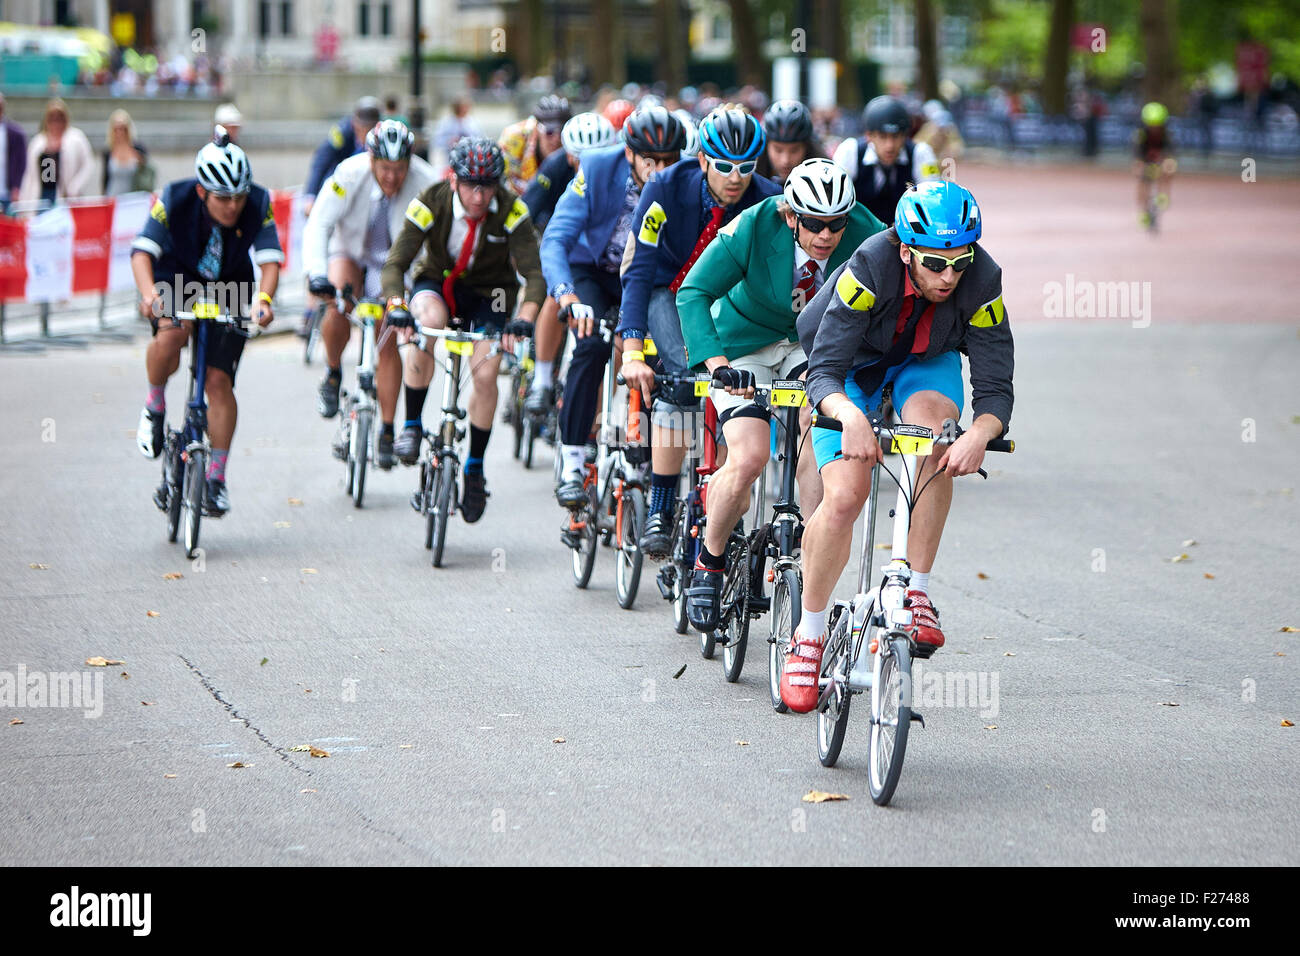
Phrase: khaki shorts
pixel 778 361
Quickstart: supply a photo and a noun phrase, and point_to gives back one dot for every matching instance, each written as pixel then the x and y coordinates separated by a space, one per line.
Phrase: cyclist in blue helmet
pixel 899 313
pixel 677 216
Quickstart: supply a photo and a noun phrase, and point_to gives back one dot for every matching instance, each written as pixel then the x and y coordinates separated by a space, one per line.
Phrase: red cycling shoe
pixel 800 673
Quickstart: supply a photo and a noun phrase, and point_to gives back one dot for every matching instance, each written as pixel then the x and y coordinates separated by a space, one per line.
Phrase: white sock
pixel 542 372
pixel 812 623
pixel 920 581
pixel 573 457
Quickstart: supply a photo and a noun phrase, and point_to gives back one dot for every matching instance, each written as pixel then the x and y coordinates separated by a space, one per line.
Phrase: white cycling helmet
pixel 223 168
pixel 587 131
pixel 390 139
pixel 692 147
pixel 819 187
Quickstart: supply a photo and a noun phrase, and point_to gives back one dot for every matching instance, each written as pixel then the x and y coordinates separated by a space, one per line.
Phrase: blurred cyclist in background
pixel 525 144
pixel 1154 148
pixel 790 140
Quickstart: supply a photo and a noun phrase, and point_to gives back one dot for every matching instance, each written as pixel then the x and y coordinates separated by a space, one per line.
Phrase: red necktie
pixel 466 250
pixel 806 287
pixel 706 237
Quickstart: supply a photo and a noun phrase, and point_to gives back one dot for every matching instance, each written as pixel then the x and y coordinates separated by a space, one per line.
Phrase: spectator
pixel 126 163
pixel 60 159
pixel 456 125
pixel 392 111
pixel 228 115
pixel 13 159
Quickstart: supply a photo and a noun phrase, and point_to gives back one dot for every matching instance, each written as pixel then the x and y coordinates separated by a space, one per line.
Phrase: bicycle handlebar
pixel 883 431
pixel 236 322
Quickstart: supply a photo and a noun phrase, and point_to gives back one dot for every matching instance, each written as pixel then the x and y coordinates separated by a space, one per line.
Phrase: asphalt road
pixel 440 694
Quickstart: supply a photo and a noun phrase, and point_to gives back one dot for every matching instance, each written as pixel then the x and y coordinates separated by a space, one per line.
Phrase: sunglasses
pixel 939 263
pixel 725 168
pixel 551 130
pixel 817 225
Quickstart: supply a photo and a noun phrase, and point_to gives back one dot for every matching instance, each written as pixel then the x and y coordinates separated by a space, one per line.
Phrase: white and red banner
pixel 86 247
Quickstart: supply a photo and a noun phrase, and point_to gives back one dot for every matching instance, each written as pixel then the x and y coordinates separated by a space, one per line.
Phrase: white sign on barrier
pixel 49 256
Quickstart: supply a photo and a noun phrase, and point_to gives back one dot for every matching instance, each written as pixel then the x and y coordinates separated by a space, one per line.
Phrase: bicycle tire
pixel 890 708
pixel 833 715
pixel 444 493
pixel 313 337
pixel 174 482
pixel 516 419
pixel 530 439
pixel 359 455
pixel 584 556
pixel 787 609
pixel 194 488
pixel 427 473
pixel 735 592
pixel 681 547
pixel 630 559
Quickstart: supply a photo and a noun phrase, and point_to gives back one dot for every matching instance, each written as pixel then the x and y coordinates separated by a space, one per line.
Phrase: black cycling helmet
pixel 887 114
pixel 788 121
pixel 477 160
pixel 732 134
pixel 653 129
pixel 553 110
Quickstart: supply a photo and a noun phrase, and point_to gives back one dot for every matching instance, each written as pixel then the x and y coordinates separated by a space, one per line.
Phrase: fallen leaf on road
pixel 15 722
pixel 308 790
pixel 301 747
pixel 991 727
pixel 680 672
pixel 295 502
pixel 558 740
pixel 126 675
pixel 1190 542
pixel 263 663
pixel 405 746
pixel 317 752
pixel 742 743
pixel 173 576
pixel 169 776
pixel 821 796
pixel 308 571
pixel 1287 723
pixel 1295 419
pixel 152 613
pixel 884 546
pixel 989 637
pixel 1209 576
pixel 101 661
pixel 1180 557
pixel 238 765
pixel 39 567
pixel 146 703
pixel 1009 654
pixel 982 576
pixel 282 524
pixel 307 691
pixel 1287 629
pixel 1278 654
pixel 1168 703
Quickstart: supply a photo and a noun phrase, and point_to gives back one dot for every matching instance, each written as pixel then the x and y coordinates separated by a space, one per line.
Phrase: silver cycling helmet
pixel 587 131
pixel 819 187
pixel 223 168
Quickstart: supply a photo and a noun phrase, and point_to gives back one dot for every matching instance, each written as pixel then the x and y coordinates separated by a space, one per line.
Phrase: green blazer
pixel 737 298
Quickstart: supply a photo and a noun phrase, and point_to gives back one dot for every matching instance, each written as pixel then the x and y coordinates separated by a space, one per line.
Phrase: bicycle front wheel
pixel 174 478
pixel 681 570
pixel 313 337
pixel 584 555
pixel 735 607
pixel 891 717
pixel 358 455
pixel 194 488
pixel 833 712
pixel 529 440
pixel 630 558
pixel 787 608
pixel 444 495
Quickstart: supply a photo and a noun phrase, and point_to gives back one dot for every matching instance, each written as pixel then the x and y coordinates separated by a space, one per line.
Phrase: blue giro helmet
pixel 937 215
pixel 731 134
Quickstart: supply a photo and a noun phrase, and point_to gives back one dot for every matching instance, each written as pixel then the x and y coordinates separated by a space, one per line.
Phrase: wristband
pixel 263 297
pixel 633 355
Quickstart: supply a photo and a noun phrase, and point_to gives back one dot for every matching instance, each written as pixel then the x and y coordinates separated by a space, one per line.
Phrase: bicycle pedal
pixel 918 718
pixel 759 605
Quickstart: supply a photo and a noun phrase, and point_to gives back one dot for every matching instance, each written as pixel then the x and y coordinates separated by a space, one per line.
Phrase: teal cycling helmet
pixel 937 215
pixel 731 134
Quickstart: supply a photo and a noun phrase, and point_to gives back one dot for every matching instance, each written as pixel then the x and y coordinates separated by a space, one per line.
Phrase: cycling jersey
pixel 1152 143
pixel 520 148
pixel 340 218
pixel 587 218
pixel 546 189
pixel 853 321
pixel 880 187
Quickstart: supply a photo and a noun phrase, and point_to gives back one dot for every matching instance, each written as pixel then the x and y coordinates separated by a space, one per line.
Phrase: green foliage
pixel 1009 43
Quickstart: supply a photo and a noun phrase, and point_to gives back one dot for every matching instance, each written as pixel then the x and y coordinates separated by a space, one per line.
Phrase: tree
pixel 671 64
pixel 927 50
pixel 744 44
pixel 1161 79
pixel 1057 62
pixel 531 54
pixel 608 54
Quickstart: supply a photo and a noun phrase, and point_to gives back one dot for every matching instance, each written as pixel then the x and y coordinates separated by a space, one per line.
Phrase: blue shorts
pixel 940 374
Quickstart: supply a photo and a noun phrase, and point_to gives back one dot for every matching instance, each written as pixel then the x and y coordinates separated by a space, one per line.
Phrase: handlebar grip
pixel 826 422
pixel 1001 444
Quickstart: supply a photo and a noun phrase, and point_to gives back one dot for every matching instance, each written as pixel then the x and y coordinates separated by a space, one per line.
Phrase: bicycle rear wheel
pixel 444 495
pixel 630 558
pixel 681 568
pixel 735 608
pixel 358 454
pixel 529 439
pixel 891 717
pixel 428 474
pixel 584 555
pixel 313 336
pixel 833 713
pixel 174 478
pixel 194 488
pixel 787 608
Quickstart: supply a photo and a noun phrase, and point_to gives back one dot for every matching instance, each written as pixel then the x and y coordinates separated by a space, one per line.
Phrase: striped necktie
pixel 806 287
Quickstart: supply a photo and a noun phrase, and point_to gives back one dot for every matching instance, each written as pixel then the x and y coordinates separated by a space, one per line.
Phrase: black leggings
pixel 601 290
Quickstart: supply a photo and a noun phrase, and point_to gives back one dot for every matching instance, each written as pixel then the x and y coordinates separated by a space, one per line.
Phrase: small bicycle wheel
pixel 358 454
pixel 174 477
pixel 313 337
pixel 427 475
pixel 891 716
pixel 194 488
pixel 517 420
pixel 584 556
pixel 735 608
pixel 444 496
pixel 787 608
pixel 833 714
pixel 681 568
pixel 630 559
pixel 529 440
